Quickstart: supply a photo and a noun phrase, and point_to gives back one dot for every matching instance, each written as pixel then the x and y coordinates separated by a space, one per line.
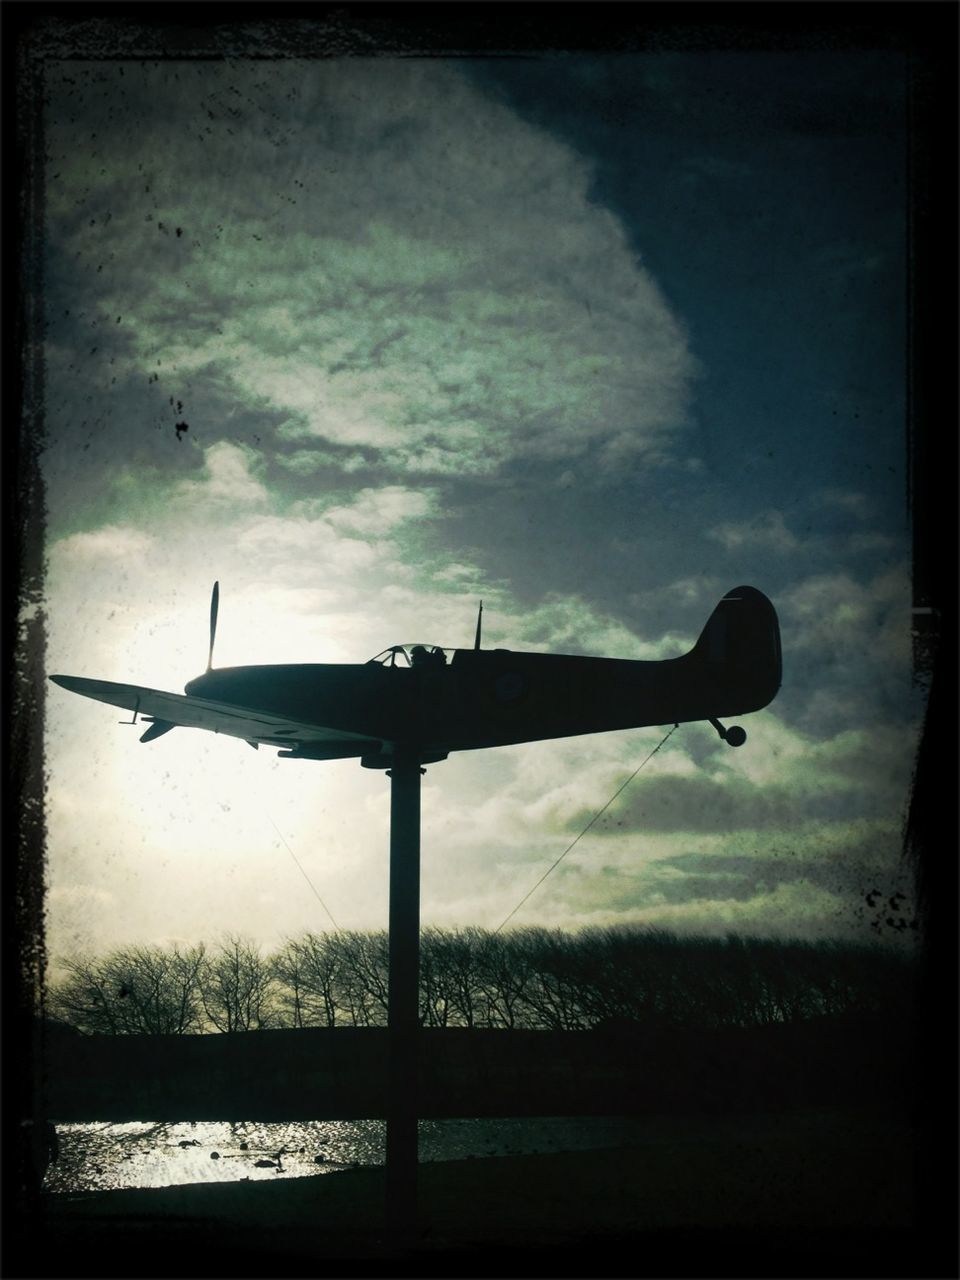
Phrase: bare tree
pixel 237 986
pixel 309 972
pixel 554 998
pixel 362 977
pixel 505 974
pixel 434 985
pixel 531 977
pixel 508 978
pixel 132 991
pixel 287 968
pixel 86 997
pixel 450 979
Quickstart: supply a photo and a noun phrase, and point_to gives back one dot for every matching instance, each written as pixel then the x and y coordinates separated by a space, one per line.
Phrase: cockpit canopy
pixel 414 655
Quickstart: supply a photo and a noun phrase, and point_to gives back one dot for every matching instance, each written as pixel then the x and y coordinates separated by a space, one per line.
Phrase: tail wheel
pixel 733 737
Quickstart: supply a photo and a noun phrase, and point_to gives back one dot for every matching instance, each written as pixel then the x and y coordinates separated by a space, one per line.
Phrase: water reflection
pixel 104 1156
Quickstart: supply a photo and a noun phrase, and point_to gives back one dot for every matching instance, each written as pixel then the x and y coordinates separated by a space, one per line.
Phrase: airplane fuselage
pixel 481 698
pixel 437 701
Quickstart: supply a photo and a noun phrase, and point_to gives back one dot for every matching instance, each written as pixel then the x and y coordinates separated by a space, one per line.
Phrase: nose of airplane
pixel 244 685
pixel 199 686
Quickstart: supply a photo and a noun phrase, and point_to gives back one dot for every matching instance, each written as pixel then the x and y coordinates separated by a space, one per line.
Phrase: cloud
pixel 767 531
pixel 788 783
pixel 76 915
pixel 327 578
pixel 847 867
pixel 847 651
pixel 376 512
pixel 116 543
pixel 861 542
pixel 849 622
pixel 409 269
pixel 826 534
pixel 856 865
pixel 796 910
pixel 310 461
pixel 375 289
pixel 228 477
pixel 569 624
pixel 842 881
pixel 856 503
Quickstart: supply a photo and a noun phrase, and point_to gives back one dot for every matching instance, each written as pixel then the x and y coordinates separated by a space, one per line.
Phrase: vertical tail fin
pixel 739 649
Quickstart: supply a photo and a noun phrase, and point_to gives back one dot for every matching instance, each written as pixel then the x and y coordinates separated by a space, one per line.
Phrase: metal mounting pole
pixel 403 1014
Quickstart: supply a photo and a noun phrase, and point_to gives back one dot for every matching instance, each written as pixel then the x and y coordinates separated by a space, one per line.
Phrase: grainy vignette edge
pixel 24 628
pixel 930 825
pixel 36 33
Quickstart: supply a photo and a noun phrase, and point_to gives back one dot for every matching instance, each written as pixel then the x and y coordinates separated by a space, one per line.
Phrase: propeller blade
pixel 476 643
pixel 214 607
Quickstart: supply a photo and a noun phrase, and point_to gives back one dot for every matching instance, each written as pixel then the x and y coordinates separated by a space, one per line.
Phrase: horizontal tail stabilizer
pixel 157 730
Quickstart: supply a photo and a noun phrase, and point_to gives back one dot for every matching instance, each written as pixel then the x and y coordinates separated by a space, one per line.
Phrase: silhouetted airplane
pixel 441 700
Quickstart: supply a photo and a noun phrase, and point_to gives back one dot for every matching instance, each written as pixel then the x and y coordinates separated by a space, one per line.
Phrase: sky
pixel 593 338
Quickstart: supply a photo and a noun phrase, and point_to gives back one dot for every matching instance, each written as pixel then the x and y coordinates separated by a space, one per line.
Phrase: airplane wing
pixel 172 710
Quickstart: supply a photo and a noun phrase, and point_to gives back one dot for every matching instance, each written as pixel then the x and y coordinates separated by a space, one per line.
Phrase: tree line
pixel 531 978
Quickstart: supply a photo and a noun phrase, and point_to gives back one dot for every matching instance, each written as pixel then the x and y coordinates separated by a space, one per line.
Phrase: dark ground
pixel 341 1073
pixel 807 1193
pixel 793 1153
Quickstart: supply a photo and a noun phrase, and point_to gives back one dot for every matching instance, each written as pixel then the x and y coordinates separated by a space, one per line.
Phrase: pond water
pixel 102 1156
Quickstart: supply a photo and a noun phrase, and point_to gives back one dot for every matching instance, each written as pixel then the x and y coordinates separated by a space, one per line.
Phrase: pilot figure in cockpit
pixel 420 656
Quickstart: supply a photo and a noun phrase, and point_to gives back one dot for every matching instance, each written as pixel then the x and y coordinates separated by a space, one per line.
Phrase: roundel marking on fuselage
pixel 509 687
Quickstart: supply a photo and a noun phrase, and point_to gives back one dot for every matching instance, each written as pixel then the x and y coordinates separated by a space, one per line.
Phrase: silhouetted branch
pixel 531 978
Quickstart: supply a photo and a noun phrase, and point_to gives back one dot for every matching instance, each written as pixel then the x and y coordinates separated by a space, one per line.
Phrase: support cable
pixel 596 816
pixel 303 873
